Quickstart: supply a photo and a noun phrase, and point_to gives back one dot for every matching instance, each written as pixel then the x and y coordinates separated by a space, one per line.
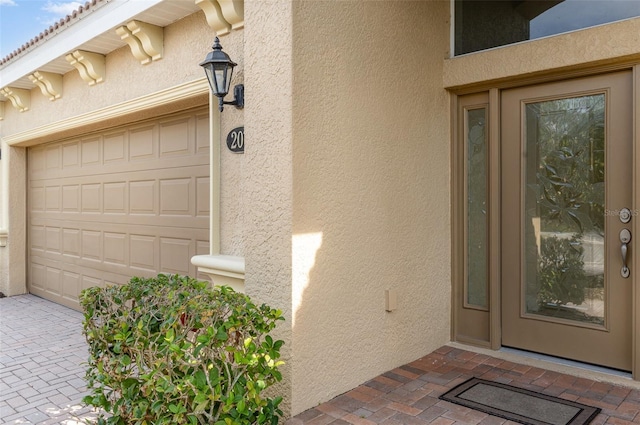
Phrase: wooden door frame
pixel 493 90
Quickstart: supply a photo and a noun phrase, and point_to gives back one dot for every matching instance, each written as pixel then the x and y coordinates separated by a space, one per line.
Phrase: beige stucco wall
pixel 339 186
pixel 232 165
pixel 370 191
pixel 3 222
pixel 13 216
pixel 266 186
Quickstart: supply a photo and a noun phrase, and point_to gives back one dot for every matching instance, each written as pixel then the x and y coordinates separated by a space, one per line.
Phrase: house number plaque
pixel 235 140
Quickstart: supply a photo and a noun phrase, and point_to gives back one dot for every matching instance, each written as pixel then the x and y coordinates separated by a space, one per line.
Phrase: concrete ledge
pixel 224 270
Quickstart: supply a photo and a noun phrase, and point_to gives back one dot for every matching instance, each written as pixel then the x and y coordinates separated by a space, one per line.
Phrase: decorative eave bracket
pixel 223 15
pixel 145 40
pixel 1 110
pixel 91 66
pixel 50 84
pixel 20 98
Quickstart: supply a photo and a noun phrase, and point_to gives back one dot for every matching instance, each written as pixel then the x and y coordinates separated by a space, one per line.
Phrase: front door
pixel 566 158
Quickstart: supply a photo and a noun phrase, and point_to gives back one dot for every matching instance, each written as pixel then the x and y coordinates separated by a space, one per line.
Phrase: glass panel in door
pixel 476 290
pixel 564 207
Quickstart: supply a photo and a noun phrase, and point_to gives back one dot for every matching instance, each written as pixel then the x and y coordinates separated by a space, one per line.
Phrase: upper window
pixel 483 24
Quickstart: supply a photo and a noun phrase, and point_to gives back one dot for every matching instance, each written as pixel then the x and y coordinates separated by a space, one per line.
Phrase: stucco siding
pixel 232 165
pixel 4 272
pixel 12 256
pixel 266 187
pixel 370 191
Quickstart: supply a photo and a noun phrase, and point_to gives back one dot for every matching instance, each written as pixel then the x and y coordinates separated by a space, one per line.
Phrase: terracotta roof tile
pixel 61 24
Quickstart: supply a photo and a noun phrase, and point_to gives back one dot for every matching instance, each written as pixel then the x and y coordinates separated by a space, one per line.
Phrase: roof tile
pixel 63 23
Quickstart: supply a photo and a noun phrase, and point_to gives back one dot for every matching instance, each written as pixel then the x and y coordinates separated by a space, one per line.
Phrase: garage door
pixel 130 201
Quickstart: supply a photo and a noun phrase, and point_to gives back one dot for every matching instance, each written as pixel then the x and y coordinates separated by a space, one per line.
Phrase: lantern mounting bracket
pixel 238 98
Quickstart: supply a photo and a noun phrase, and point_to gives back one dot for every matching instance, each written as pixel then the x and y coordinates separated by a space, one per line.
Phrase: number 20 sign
pixel 235 140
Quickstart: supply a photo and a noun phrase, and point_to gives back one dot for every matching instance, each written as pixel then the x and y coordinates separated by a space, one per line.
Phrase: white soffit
pixel 94 32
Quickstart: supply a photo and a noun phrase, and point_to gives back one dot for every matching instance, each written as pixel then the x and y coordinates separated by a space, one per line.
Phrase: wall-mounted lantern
pixel 219 69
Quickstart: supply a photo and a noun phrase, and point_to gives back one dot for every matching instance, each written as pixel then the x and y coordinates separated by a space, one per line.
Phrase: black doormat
pixel 519 405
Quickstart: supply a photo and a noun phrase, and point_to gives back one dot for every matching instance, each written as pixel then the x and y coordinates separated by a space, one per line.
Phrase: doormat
pixel 519 405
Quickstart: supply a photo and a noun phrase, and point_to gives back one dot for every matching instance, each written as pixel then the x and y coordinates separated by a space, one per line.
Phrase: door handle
pixel 625 238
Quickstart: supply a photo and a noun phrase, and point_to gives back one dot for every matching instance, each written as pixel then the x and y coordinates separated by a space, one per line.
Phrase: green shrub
pixel 172 350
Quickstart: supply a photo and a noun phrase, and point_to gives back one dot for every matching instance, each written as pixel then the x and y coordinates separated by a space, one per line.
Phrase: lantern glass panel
pixel 228 72
pixel 221 76
pixel 209 72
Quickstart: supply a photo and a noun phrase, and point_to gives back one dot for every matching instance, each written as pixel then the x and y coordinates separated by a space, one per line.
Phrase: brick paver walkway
pixel 42 351
pixel 409 394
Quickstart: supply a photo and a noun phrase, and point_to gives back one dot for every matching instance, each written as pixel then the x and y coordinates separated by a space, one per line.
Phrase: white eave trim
pixel 102 20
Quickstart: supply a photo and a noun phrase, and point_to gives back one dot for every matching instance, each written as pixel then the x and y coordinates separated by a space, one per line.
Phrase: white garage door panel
pixel 132 201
